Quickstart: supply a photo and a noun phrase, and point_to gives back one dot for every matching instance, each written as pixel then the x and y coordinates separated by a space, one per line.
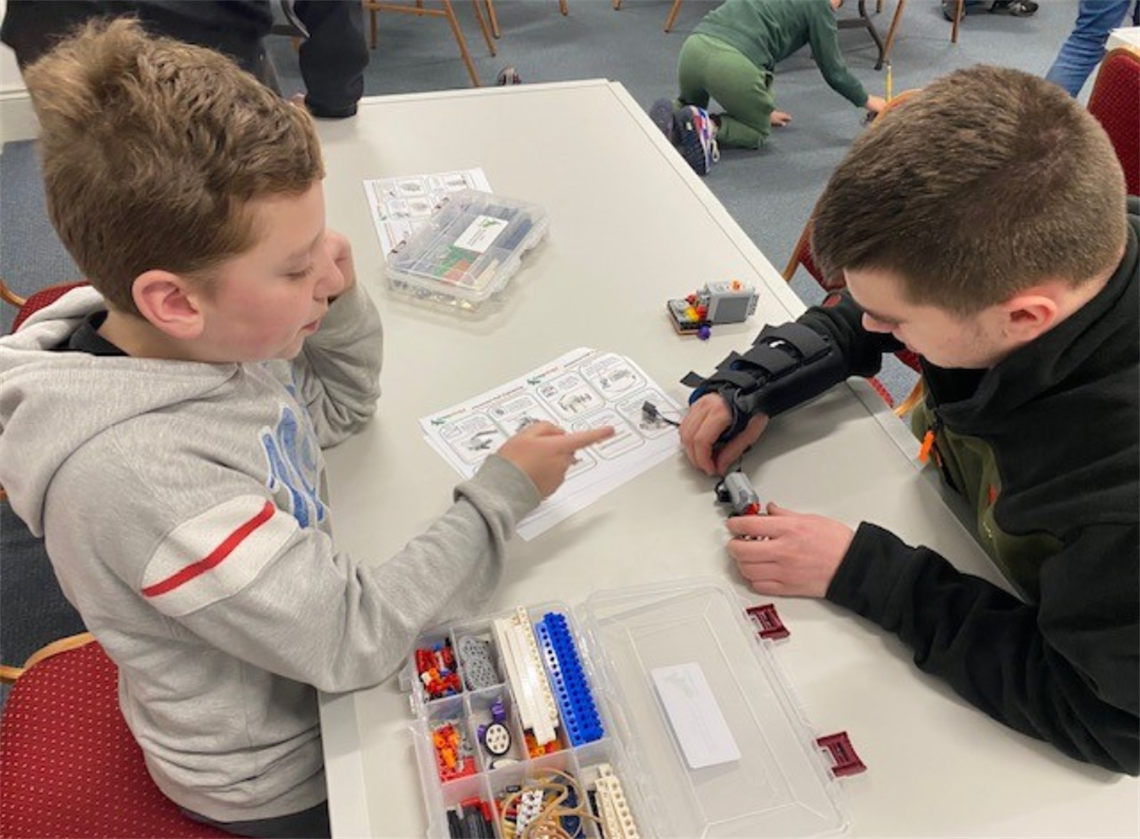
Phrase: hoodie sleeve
pixel 337 374
pixel 1065 671
pixel 247 579
pixel 824 38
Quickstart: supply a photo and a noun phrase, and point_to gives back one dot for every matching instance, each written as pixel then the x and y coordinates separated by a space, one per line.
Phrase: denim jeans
pixel 1084 48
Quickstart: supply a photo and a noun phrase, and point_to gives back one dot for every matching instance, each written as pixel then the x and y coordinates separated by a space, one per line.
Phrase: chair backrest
pixel 69 765
pixel 41 299
pixel 802 257
pixel 801 254
pixel 1115 101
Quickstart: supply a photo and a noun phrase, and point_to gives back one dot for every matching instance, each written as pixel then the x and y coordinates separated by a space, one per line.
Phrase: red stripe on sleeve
pixel 228 545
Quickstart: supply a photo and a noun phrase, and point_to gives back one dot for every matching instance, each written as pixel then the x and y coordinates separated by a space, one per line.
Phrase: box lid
pixel 778 785
pixel 468 250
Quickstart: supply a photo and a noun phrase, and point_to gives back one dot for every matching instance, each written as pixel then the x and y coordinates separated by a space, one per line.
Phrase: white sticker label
pixel 481 233
pixel 695 716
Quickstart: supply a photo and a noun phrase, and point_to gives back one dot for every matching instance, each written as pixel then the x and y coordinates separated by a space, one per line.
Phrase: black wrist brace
pixel 787 365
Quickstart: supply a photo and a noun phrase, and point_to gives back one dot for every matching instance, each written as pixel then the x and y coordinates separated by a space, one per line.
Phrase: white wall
pixel 17 121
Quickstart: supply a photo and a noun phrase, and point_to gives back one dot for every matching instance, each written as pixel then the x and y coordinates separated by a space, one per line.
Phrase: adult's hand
pixel 702 426
pixel 788 553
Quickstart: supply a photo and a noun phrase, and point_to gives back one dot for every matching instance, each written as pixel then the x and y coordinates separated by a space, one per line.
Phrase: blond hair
pixel 153 148
pixel 985 183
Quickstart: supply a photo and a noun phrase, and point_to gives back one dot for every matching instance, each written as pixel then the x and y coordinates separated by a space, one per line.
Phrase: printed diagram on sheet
pixel 400 205
pixel 582 389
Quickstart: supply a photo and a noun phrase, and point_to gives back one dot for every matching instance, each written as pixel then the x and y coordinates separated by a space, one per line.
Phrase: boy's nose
pixel 332 282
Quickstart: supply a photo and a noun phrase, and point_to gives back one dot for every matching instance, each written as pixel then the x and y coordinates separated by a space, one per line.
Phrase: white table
pixel 631 226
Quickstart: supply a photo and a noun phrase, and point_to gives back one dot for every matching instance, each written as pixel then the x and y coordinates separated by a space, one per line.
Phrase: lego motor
pixel 737 492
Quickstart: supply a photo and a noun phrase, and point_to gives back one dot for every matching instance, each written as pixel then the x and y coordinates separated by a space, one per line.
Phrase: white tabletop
pixel 632 226
pixel 1128 37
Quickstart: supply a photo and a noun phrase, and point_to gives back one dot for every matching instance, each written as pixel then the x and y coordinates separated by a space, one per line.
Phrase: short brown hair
pixel 986 182
pixel 152 150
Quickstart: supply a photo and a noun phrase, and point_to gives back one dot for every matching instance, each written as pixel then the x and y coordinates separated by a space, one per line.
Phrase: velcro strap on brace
pixel 786 365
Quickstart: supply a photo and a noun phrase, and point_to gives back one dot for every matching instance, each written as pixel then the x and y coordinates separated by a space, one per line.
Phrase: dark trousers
pixel 308 824
pixel 332 58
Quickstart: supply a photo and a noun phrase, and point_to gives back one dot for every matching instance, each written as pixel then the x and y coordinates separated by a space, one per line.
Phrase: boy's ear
pixel 170 303
pixel 1029 314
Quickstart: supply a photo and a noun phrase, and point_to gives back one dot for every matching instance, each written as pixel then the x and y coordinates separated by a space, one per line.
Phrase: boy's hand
pixel 788 553
pixel 780 118
pixel 340 251
pixel 875 104
pixel 702 426
pixel 544 452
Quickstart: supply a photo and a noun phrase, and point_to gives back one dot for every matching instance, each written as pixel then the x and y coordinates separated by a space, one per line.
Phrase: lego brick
pixel 579 713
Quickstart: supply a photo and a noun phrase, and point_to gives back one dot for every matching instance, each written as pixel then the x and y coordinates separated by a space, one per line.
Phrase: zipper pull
pixel 928 440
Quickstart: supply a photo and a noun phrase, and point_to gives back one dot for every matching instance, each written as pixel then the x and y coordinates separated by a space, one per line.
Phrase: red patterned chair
pixel 69 765
pixel 1115 101
pixel 34 302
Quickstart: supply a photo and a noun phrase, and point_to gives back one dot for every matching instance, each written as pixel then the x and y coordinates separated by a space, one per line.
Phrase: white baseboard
pixel 17 119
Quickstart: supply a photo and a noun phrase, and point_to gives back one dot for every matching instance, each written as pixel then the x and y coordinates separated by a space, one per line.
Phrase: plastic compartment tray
pixel 467 252
pixel 470 708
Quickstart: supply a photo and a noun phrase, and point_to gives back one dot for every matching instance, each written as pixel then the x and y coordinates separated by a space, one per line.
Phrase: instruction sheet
pixel 582 389
pixel 400 205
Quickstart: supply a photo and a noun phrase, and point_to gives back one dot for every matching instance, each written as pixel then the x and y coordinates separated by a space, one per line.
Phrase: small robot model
pixel 728 301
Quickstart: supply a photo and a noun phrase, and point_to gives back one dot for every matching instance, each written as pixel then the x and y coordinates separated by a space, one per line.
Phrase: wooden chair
pixel 445 11
pixel 669 21
pixel 802 256
pixel 489 7
pixel 1115 101
pixel 69 766
pixel 864 20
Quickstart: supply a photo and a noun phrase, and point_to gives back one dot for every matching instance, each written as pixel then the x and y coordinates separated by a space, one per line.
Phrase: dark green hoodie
pixel 768 31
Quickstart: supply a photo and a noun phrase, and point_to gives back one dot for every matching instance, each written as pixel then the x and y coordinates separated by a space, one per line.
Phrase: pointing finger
pixel 580 439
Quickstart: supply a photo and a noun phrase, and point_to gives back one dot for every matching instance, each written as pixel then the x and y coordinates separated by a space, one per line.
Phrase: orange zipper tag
pixel 927 444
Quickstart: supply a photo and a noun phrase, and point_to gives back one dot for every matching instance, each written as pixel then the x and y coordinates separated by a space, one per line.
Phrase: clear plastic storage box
pixel 725 754
pixel 468 251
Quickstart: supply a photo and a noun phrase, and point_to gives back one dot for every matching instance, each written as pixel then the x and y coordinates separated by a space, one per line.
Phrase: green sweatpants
pixel 709 67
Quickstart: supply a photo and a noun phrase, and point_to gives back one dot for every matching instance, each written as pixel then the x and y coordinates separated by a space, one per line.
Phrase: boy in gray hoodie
pixel 163 428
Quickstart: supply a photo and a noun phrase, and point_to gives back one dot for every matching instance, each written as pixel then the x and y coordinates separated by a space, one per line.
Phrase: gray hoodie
pixel 182 512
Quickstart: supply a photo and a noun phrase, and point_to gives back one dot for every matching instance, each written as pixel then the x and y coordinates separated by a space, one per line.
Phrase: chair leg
pixel 959 10
pixel 893 30
pixel 372 21
pixel 562 7
pixel 494 18
pixel 10 297
pixel 669 21
pixel 459 39
pixel 617 5
pixel 483 27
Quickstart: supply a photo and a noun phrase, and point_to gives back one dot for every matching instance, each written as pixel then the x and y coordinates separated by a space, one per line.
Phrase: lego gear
pixel 787 365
